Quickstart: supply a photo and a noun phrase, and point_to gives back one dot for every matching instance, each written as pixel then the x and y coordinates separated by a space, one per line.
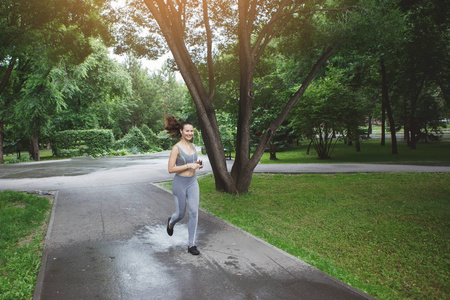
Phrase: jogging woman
pixel 183 161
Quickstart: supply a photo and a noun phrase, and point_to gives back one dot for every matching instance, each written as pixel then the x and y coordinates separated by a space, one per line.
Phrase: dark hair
pixel 173 126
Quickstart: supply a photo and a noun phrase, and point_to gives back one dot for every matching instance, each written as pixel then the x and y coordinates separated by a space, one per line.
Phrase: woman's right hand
pixel 193 166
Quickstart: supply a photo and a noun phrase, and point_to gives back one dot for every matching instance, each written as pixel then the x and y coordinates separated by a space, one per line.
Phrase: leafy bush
pixel 93 142
pixel 155 149
pixel 134 150
pixel 17 160
pixel 83 150
pixel 122 152
pixel 150 136
pixel 164 140
pixel 135 140
pixel 98 141
pixel 64 140
pixel 69 152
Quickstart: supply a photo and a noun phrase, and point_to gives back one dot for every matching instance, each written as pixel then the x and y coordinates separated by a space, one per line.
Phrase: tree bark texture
pixel 387 105
pixel 8 73
pixel 272 151
pixel 35 145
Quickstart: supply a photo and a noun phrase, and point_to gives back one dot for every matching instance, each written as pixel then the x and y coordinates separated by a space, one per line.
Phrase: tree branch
pixel 267 29
pixel 209 49
pixel 267 41
pixel 168 25
pixel 267 34
pixel 287 108
pixel 251 14
pixel 7 76
pixel 325 9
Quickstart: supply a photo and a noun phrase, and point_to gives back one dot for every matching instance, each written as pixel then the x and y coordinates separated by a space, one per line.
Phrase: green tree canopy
pixel 38 34
pixel 249 26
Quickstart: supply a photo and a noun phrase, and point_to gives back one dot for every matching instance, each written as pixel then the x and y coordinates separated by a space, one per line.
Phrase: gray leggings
pixel 186 187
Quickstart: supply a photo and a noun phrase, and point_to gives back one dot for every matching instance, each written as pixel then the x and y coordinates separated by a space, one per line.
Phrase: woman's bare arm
pixel 173 168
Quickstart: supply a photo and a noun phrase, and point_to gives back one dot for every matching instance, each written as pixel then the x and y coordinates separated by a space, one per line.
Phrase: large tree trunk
pixel 35 145
pixel 242 171
pixel 272 151
pixel 358 145
pixel 387 105
pixel 393 132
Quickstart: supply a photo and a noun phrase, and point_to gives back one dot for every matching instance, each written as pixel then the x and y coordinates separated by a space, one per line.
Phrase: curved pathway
pixel 107 237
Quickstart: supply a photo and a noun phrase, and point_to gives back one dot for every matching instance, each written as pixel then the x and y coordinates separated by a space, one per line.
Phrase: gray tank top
pixel 184 158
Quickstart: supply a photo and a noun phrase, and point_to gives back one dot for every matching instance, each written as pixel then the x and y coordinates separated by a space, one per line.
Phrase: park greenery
pixel 259 76
pixel 337 223
pixel 268 80
pixel 430 153
pixel 23 218
pixel 385 234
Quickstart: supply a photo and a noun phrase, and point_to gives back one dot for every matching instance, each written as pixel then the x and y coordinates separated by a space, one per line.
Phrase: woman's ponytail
pixel 173 127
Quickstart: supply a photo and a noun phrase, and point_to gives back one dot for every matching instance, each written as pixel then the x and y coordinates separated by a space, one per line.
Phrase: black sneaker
pixel 193 250
pixel 169 230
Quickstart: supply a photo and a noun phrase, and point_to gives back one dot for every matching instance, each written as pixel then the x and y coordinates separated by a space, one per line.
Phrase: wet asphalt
pixel 107 236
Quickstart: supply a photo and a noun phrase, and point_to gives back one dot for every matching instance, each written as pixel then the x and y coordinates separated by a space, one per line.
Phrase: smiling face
pixel 187 132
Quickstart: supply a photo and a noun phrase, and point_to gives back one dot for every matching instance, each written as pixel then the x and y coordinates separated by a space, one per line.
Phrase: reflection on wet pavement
pixel 160 241
pixel 77 166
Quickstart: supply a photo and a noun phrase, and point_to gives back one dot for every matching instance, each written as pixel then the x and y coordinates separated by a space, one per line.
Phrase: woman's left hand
pixel 200 164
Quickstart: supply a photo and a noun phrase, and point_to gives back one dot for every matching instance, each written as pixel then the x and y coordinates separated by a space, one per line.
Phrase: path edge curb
pixel 40 278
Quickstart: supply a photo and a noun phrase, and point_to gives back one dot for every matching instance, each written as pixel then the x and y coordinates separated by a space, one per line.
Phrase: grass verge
pixel 371 152
pixel 385 234
pixel 23 219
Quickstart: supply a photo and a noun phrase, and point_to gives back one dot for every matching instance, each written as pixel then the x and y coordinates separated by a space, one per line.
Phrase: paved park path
pixel 107 237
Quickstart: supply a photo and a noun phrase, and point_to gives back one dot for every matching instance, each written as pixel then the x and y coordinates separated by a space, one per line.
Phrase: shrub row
pixel 92 142
pixel 134 139
pixel 17 160
pixel 100 142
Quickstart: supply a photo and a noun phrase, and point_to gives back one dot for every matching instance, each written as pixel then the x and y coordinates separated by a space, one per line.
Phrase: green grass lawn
pixel 23 219
pixel 25 156
pixel 385 234
pixel 371 152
